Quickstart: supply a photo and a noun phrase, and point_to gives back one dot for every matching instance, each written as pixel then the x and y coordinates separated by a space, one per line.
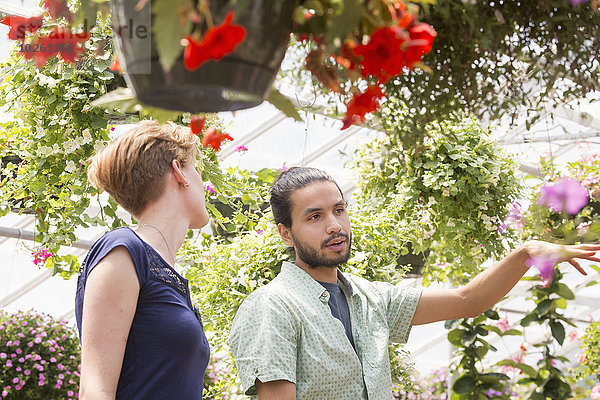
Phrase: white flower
pixel 71 167
pixel 99 145
pixel 46 80
pixel 86 136
pixel 39 131
pixel 446 192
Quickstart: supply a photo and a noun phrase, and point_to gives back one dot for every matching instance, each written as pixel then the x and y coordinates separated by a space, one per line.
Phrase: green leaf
pixel 168 30
pixel 526 369
pixel 528 319
pixel 512 332
pixel 493 377
pixel 561 303
pixel 464 384
pixel 558 331
pixel 347 16
pixel 283 104
pixel 455 337
pixel 564 291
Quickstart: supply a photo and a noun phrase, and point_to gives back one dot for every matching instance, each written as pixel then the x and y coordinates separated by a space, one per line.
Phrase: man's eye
pixel 313 216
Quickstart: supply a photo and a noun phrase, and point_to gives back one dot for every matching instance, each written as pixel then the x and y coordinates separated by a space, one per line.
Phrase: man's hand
pixel 557 253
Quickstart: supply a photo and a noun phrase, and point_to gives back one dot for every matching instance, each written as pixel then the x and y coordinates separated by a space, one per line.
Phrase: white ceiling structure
pixel 565 132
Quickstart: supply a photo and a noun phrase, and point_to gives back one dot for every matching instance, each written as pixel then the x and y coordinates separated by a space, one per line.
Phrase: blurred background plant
pixel 39 357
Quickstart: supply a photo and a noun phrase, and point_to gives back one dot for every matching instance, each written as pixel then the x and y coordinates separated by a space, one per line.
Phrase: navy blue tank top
pixel 166 352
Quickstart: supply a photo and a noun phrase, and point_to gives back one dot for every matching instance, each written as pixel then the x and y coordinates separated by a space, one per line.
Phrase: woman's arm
pixel 109 304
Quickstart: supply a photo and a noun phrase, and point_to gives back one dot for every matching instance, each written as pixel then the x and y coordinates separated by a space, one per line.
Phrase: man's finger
pixel 577 266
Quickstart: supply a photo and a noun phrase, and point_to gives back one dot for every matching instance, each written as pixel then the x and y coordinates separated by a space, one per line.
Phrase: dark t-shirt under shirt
pixel 166 352
pixel 339 307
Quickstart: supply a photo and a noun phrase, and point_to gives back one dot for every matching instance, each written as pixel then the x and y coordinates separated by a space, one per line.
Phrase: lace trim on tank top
pixel 163 273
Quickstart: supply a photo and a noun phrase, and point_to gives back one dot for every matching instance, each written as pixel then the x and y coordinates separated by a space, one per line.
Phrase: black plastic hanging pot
pixel 242 79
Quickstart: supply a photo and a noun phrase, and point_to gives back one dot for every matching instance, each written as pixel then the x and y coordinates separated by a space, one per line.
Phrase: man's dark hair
pixel 287 183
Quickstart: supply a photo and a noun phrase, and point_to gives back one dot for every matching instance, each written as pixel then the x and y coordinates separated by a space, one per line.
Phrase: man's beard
pixel 313 259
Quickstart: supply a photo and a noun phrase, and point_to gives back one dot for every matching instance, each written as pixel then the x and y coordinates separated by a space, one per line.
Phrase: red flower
pixel 421 39
pixel 214 137
pixel 116 65
pixel 361 104
pixel 20 25
pixel 61 41
pixel 382 56
pixel 197 124
pixel 216 43
pixel 57 9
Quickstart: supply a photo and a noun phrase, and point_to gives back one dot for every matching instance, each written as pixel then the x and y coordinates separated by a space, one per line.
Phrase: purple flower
pixel 545 266
pixel 567 194
pixel 577 2
pixel 209 188
pixel 241 149
pixel 259 231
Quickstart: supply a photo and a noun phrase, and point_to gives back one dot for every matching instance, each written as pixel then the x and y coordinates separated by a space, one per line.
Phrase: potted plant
pixel 195 55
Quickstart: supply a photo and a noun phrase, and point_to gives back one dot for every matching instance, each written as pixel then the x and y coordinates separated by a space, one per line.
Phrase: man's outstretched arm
pixel 490 286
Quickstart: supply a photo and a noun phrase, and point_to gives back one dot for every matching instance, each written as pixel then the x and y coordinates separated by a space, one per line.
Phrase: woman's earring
pixel 186 184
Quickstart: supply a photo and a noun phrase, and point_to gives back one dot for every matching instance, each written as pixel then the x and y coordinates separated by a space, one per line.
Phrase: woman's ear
pixel 286 235
pixel 179 174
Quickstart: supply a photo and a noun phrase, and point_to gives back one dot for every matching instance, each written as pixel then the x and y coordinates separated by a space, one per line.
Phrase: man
pixel 316 333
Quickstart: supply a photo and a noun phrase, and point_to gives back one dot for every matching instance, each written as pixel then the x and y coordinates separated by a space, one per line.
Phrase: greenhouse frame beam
pixel 252 135
pixel 26 288
pixel 329 146
pixel 21 234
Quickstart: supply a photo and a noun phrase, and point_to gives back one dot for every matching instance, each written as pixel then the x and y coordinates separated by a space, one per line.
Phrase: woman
pixel 139 334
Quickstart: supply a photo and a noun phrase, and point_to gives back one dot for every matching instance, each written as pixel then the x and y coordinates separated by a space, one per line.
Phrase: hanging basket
pixel 239 80
pixel 416 262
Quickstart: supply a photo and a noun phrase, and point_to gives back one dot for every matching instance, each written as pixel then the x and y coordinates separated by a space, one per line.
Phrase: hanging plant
pixel 195 55
pixel 454 190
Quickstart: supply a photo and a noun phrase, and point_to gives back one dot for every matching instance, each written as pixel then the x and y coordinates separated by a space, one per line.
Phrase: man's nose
pixel 333 224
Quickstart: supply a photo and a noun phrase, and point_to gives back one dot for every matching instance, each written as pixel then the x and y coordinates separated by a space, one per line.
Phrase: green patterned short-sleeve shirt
pixel 285 331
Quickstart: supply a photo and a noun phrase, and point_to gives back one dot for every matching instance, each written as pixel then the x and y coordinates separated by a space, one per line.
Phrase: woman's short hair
pixel 131 168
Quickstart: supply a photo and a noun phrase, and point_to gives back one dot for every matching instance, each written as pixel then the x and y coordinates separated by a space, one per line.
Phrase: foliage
pixel 239 206
pixel 467 336
pixel 547 380
pixel 591 347
pixel 492 56
pixel 45 149
pixel 39 357
pixel 453 191
pixel 55 132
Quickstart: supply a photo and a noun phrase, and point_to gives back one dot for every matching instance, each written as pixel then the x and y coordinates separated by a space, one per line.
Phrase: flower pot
pixel 416 262
pixel 242 79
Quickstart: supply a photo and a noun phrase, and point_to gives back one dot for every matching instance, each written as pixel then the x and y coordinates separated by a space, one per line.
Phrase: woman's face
pixel 195 202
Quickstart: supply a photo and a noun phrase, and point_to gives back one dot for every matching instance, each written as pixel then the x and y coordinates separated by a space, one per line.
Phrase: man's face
pixel 320 232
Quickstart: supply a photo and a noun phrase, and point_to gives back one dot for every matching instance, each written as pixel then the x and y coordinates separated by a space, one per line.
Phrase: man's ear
pixel 286 234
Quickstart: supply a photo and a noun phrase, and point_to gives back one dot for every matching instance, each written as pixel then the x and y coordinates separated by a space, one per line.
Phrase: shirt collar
pixel 298 274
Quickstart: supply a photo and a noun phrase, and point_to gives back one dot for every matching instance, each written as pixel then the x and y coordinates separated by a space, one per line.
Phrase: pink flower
pixel 595 394
pixel 581 358
pixel 545 266
pixel 567 194
pixel 573 335
pixel 259 231
pixel 241 148
pixel 503 324
pixel 39 257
